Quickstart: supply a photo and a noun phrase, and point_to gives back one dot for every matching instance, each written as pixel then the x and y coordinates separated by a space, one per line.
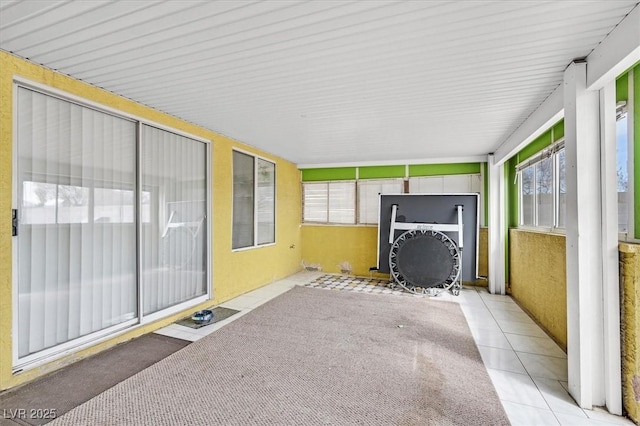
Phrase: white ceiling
pixel 323 82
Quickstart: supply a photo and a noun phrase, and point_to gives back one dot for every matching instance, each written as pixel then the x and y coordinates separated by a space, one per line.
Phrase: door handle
pixel 14 222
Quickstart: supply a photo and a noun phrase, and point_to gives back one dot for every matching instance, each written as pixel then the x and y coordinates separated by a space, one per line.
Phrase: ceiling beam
pixel 616 53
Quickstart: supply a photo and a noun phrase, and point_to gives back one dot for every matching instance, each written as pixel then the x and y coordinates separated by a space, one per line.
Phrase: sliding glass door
pixel 76 262
pixel 174 267
pixel 112 223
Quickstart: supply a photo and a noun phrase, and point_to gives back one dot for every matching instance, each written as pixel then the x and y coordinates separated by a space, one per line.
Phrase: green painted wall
pixel 444 169
pixel 386 172
pixel 332 173
pixel 622 88
pixel 558 130
pixel 636 149
pixel 381 172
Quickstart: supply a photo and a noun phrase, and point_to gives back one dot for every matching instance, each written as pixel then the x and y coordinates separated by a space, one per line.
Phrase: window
pixel 542 189
pixel 562 190
pixel 622 167
pixel 254 190
pixel 329 202
pixel 337 202
pixel 544 193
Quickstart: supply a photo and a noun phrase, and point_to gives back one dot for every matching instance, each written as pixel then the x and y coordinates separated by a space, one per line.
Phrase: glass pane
pixel 174 243
pixel 73 204
pixel 316 198
pixel 342 202
pixel 544 192
pixel 562 188
pixel 622 169
pixel 243 205
pixel 526 187
pixel 74 278
pixel 266 202
pixel 145 201
pixel 113 206
pixel 39 202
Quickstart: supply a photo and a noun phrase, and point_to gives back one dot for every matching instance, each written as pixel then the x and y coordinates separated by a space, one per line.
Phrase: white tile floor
pixel 528 369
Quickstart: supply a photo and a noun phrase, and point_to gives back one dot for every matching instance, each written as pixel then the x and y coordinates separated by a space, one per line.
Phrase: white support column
pixel 497 228
pixel 611 290
pixel 583 241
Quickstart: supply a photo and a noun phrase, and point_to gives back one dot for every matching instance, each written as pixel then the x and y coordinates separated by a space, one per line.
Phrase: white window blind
pixel 445 184
pixel 316 202
pixel 369 192
pixel 76 275
pixel 173 246
pixel 330 202
pixel 342 202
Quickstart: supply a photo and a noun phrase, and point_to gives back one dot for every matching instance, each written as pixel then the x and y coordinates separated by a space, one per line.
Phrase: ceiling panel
pixel 323 82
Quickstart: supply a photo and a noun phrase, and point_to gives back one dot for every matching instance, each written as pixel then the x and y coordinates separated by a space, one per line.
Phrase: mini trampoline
pixel 421 260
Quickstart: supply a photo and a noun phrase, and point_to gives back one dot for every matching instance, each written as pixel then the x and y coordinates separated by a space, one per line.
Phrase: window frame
pixel 624 109
pixel 256 158
pixel 551 152
pixel 328 221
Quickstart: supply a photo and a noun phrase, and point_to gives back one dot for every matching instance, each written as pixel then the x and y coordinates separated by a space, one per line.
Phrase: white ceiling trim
pixel 619 51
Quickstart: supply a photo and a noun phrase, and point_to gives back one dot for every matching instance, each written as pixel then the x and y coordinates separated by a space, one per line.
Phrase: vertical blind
pixel 369 192
pixel 76 268
pixel 173 246
pixel 445 184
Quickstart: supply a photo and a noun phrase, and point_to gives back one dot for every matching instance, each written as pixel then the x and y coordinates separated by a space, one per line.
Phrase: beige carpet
pixel 315 357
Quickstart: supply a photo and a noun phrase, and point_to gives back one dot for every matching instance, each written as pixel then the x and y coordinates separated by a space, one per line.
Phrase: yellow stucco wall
pixel 331 245
pixel 234 273
pixel 537 279
pixel 630 324
pixel 483 255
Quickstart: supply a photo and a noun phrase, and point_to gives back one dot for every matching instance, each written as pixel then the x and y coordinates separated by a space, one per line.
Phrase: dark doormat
pixel 219 313
pixel 39 402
